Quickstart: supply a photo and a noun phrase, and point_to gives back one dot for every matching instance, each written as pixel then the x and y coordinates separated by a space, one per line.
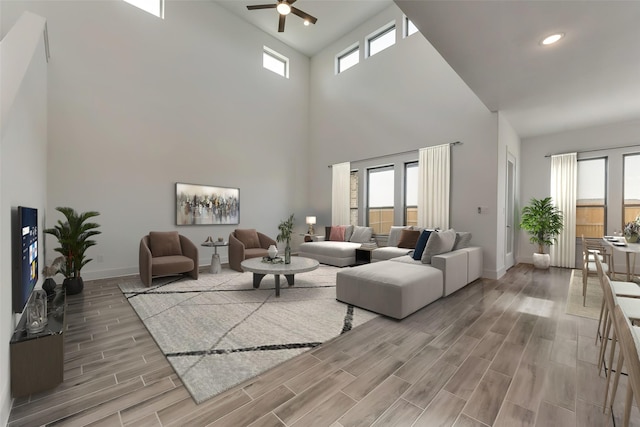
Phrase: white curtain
pixel 340 192
pixel 564 172
pixel 433 186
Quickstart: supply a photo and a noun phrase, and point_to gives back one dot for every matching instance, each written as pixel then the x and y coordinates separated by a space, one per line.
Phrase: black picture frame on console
pixel 24 243
pixel 207 205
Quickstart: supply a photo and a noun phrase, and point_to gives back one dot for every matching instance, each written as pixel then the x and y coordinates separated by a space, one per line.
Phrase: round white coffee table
pixel 261 269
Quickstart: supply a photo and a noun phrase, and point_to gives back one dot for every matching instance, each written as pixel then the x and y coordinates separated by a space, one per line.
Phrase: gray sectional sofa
pixel 400 286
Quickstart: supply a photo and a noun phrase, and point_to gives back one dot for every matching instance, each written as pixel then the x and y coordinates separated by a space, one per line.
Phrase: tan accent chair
pixel 164 253
pixel 245 244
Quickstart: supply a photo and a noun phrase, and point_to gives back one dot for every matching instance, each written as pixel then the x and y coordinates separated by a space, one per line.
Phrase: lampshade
pixel 311 220
pixel 283 8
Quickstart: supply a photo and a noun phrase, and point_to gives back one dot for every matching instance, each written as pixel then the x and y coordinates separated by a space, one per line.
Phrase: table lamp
pixel 311 220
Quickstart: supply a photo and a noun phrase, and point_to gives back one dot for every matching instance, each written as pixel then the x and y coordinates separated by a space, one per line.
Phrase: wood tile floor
pixel 496 353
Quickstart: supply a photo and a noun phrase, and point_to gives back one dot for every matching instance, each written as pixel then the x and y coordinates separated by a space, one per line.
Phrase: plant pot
pixel 73 285
pixel 541 261
pixel 632 238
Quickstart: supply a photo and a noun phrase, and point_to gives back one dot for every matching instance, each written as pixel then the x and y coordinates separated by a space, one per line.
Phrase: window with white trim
pixel 591 201
pixel 276 62
pixel 348 59
pixel 154 7
pixel 411 193
pixel 409 27
pixel 381 40
pixel 631 187
pixel 380 199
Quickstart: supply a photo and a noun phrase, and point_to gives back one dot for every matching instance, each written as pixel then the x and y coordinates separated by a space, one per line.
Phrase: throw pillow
pixel 439 243
pixel 164 243
pixel 425 236
pixel 409 239
pixel 463 239
pixel 337 233
pixel 348 231
pixel 248 237
pixel 361 234
pixel 394 234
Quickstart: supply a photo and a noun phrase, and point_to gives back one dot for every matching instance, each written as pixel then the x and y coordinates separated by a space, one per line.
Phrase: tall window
pixel 380 199
pixel 381 40
pixel 631 195
pixel 411 194
pixel 591 207
pixel 353 204
pixel 348 59
pixel 273 61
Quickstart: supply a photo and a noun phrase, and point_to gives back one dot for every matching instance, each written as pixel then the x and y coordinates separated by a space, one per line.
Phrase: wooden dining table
pixel 621 245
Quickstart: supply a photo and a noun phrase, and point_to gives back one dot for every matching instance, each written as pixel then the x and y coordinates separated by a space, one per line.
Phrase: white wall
pixel 138 103
pixel 404 98
pixel 536 169
pixel 23 165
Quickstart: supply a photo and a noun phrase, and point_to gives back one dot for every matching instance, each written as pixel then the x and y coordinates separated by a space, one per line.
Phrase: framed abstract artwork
pixel 207 205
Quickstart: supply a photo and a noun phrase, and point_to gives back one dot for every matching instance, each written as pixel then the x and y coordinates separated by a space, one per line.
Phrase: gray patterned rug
pixel 218 331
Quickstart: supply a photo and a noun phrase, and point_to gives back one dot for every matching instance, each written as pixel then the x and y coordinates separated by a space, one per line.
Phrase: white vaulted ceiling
pixel 590 77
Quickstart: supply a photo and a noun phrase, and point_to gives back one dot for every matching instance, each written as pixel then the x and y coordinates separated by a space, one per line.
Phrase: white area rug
pixel 219 331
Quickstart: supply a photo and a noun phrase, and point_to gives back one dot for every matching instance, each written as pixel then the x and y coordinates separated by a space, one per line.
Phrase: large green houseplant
pixel 285 231
pixel 74 236
pixel 544 222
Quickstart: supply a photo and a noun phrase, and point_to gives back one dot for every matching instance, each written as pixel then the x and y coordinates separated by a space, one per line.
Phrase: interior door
pixel 509 259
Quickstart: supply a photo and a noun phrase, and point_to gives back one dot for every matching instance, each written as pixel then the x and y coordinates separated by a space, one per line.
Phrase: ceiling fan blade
pixel 262 6
pixel 281 23
pixel 303 15
pixel 291 2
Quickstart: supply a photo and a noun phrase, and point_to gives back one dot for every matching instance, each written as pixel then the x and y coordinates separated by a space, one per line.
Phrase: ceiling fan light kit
pixel 283 7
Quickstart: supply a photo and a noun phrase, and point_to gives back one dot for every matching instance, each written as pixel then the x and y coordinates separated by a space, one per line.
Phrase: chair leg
pixel 611 353
pixel 627 404
pixel 616 380
pixel 602 310
pixel 605 340
pixel 584 289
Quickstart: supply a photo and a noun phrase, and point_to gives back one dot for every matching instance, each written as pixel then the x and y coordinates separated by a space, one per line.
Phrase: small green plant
pixel 286 229
pixel 543 221
pixel 74 238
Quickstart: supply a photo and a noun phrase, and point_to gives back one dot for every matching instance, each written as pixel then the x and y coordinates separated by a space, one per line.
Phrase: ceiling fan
pixel 284 8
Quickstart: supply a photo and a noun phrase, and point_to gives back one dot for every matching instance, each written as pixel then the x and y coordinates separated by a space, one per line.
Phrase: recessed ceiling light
pixel 552 39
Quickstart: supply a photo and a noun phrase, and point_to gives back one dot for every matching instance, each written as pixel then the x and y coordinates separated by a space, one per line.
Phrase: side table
pixel 216 267
pixel 363 255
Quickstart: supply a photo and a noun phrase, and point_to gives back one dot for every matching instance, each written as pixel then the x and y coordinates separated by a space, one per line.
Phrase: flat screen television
pixel 25 256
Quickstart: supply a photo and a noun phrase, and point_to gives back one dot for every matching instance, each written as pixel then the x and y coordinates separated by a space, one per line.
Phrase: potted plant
pixel 544 222
pixel 74 238
pixel 286 229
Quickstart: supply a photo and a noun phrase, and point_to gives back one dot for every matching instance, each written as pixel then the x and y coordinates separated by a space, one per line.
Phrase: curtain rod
pixel 398 154
pixel 597 149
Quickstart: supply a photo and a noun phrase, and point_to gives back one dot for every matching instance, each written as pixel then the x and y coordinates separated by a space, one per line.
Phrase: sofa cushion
pixel 421 244
pixel 361 234
pixel 394 234
pixel 337 233
pixel 408 239
pixel 389 288
pixel 171 264
pixel 439 243
pixel 164 243
pixel 387 252
pixel 248 237
pixel 463 240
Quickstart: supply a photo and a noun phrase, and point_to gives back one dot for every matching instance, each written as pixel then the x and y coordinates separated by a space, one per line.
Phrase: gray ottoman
pixel 391 288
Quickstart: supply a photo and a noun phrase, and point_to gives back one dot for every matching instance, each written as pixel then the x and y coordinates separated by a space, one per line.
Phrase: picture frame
pixel 207 205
